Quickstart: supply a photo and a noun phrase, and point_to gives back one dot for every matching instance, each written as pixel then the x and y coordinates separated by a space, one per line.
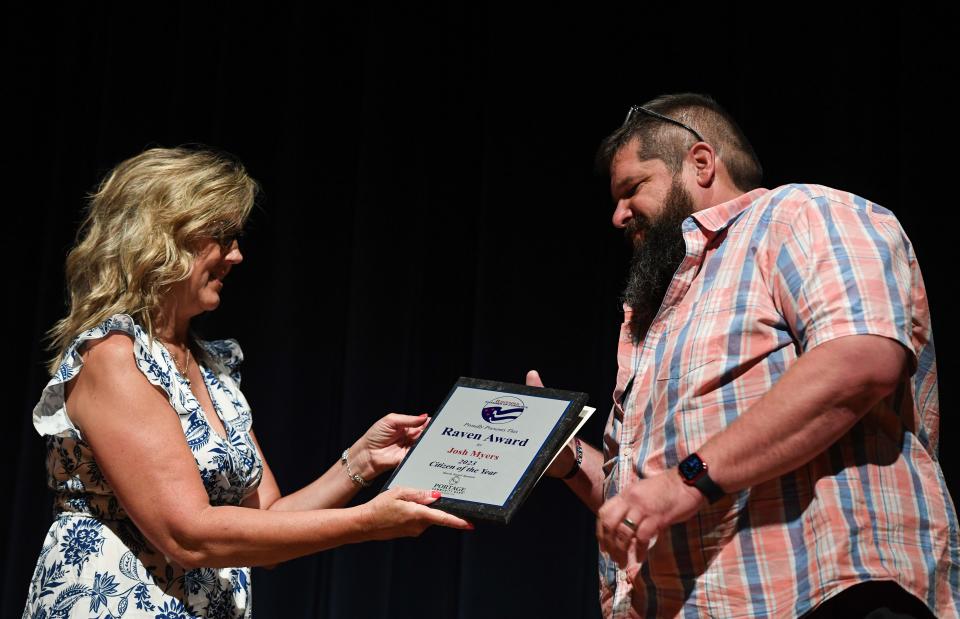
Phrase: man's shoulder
pixel 807 213
pixel 795 201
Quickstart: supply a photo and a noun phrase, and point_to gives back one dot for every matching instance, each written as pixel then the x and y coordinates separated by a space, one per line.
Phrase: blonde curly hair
pixel 140 231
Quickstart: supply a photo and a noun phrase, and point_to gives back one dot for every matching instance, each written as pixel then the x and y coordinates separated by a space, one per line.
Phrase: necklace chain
pixel 183 372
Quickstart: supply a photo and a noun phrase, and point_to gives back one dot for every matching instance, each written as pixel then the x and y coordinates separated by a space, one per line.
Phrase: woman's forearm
pixel 227 536
pixel 332 489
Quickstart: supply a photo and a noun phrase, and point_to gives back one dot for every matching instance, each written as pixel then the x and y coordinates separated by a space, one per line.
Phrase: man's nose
pixel 622 214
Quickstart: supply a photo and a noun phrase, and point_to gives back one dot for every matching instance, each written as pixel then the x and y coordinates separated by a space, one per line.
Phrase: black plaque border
pixel 501 514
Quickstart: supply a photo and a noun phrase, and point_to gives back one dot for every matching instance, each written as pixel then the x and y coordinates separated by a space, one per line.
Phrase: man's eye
pixel 634 189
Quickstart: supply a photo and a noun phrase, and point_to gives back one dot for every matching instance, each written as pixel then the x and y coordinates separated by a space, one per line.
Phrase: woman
pixel 161 487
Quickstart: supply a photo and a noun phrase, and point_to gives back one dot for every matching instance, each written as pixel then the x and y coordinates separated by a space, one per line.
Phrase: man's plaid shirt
pixel 766 277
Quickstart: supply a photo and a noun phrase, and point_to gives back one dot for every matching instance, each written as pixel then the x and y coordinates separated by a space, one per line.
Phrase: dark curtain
pixel 430 211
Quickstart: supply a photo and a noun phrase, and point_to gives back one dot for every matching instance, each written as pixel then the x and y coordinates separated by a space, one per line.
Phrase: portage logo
pixel 503 409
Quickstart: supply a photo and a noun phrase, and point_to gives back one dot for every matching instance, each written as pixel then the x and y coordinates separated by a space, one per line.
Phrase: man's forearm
pixel 814 403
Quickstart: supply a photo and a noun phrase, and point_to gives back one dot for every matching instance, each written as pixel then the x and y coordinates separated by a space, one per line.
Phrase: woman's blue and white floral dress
pixel 94 561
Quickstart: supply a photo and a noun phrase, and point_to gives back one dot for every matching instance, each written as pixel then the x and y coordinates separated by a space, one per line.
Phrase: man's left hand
pixel 629 523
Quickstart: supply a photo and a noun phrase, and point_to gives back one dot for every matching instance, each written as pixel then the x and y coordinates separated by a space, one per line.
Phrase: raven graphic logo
pixel 503 410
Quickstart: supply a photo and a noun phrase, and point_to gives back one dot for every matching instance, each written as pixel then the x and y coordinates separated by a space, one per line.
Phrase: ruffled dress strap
pixel 222 375
pixel 50 415
pixel 225 356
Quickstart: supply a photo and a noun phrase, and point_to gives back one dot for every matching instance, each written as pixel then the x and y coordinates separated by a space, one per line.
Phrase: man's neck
pixel 718 194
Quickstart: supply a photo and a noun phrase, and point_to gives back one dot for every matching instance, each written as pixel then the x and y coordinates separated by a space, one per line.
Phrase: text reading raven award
pixel 488 444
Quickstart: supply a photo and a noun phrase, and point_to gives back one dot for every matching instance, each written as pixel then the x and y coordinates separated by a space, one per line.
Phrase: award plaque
pixel 488 444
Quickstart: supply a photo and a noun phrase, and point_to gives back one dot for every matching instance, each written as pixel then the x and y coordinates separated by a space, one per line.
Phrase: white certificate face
pixel 480 444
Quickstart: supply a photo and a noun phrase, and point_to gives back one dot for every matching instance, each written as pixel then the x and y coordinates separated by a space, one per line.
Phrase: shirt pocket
pixel 696 349
pixel 696 339
pixel 679 386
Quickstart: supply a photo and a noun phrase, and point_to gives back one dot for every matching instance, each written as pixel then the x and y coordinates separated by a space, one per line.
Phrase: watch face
pixel 691 467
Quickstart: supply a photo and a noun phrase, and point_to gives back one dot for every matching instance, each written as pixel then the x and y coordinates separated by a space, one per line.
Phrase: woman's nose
pixel 233 254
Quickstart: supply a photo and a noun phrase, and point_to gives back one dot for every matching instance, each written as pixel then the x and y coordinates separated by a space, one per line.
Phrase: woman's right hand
pixel 403 512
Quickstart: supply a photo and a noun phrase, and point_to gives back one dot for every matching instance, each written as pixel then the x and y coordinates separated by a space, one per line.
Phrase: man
pixel 772 448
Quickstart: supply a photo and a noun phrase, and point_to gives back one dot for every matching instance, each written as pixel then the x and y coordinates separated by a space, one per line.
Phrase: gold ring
pixel 630 523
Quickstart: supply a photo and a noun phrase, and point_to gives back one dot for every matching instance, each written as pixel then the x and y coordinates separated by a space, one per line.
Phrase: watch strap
pixel 709 488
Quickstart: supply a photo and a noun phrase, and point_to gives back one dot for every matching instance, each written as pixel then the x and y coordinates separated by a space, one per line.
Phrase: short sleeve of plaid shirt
pixel 842 266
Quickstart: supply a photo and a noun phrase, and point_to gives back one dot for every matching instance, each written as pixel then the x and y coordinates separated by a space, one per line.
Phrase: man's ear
pixel 703 161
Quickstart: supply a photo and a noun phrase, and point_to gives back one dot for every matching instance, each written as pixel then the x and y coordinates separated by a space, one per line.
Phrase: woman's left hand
pixel 384 445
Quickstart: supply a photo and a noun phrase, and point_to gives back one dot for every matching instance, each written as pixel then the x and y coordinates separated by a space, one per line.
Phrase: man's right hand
pixel 587 484
pixel 533 379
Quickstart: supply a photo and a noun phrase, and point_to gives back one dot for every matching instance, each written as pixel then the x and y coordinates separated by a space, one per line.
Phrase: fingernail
pixel 423 414
pixel 435 494
pixel 470 526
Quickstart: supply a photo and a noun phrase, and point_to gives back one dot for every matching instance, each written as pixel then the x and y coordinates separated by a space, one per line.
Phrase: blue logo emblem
pixel 503 409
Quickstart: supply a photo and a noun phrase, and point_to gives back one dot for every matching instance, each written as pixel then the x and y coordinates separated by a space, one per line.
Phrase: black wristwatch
pixel 693 472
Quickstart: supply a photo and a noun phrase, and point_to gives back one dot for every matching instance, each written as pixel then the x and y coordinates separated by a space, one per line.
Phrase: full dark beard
pixel 656 259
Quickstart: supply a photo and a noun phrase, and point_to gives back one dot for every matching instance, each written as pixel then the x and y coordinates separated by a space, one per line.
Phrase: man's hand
pixel 650 505
pixel 533 379
pixel 587 484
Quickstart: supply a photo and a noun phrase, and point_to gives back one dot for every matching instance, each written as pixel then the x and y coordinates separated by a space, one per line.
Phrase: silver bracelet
pixel 356 479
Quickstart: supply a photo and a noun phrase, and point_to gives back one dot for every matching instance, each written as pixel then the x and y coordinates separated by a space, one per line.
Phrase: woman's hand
pixel 384 445
pixel 403 512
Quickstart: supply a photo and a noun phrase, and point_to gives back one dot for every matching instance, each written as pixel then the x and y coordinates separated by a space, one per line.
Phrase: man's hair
pixel 660 139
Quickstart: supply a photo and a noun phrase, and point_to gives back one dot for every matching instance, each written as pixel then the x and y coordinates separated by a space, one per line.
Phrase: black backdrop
pixel 430 211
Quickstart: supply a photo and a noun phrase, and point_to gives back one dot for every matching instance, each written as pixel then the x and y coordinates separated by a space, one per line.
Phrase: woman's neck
pixel 169 328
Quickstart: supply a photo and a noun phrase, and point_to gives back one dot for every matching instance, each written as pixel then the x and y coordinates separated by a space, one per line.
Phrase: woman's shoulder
pixel 117 323
pixel 110 342
pixel 113 347
pixel 114 352
pixel 105 330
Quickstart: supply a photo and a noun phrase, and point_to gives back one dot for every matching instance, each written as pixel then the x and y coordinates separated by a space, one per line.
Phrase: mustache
pixel 635 226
